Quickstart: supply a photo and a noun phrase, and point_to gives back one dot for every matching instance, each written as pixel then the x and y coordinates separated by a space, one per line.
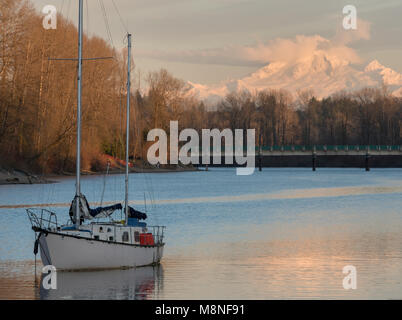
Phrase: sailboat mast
pixel 128 121
pixel 79 85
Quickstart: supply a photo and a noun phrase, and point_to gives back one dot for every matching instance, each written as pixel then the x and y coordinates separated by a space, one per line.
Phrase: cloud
pixel 228 55
pixel 278 50
pixel 292 51
pixel 362 32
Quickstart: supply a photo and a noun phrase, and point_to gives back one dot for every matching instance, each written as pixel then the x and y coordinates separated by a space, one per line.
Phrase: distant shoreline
pixel 16 176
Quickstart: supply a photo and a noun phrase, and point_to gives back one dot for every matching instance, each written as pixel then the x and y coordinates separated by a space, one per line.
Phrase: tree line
pixel 38 103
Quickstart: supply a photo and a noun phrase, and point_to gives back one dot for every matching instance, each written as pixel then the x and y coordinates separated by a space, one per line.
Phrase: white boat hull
pixel 73 253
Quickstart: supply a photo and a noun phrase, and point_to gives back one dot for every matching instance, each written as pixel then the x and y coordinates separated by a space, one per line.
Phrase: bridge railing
pixel 311 148
pixel 331 148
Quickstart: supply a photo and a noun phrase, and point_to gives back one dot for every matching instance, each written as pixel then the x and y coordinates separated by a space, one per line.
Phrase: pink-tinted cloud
pixel 278 50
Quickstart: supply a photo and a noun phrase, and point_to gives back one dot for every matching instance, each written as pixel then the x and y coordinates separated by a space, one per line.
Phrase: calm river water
pixel 277 234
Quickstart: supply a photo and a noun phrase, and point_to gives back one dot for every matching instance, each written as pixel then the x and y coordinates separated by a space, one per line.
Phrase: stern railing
pixel 42 219
pixel 158 233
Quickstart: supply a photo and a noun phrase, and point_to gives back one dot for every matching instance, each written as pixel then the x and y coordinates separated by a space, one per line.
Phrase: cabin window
pixel 137 236
pixel 96 237
pixel 110 238
pixel 100 229
pixel 125 236
pixel 109 230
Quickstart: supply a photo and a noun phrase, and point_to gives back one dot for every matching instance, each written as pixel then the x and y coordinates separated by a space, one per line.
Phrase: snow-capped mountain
pixel 322 73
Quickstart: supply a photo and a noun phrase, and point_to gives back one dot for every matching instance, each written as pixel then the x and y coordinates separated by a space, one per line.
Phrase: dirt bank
pixel 14 176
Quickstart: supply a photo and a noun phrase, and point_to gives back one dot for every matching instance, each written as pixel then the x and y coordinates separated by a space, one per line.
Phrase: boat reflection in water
pixel 134 284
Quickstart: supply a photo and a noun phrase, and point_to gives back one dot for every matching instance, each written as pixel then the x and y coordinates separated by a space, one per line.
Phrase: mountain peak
pixel 388 76
pixel 374 65
pixel 322 73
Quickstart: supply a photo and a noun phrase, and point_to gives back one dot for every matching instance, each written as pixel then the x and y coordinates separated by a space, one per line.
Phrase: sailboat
pixel 82 244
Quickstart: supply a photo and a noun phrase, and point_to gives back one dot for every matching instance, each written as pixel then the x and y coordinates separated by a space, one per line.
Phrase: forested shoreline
pixel 38 103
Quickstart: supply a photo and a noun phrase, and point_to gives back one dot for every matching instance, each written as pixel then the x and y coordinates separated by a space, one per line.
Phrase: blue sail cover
pixel 132 213
pixel 87 213
pixel 103 212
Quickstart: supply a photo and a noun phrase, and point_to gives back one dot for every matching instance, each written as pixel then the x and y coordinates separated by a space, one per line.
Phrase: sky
pixel 210 41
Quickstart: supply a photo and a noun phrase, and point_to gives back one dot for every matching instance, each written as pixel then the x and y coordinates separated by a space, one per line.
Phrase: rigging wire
pixel 105 18
pixel 147 178
pixel 104 182
pixel 87 19
pixel 121 112
pixel 68 10
pixel 149 187
pixel 121 19
pixel 61 8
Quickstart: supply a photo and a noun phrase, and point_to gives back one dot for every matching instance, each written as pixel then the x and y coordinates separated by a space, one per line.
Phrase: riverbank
pixel 16 176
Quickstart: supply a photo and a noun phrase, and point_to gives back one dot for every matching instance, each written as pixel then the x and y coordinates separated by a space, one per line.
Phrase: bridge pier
pixel 367 165
pixel 314 159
